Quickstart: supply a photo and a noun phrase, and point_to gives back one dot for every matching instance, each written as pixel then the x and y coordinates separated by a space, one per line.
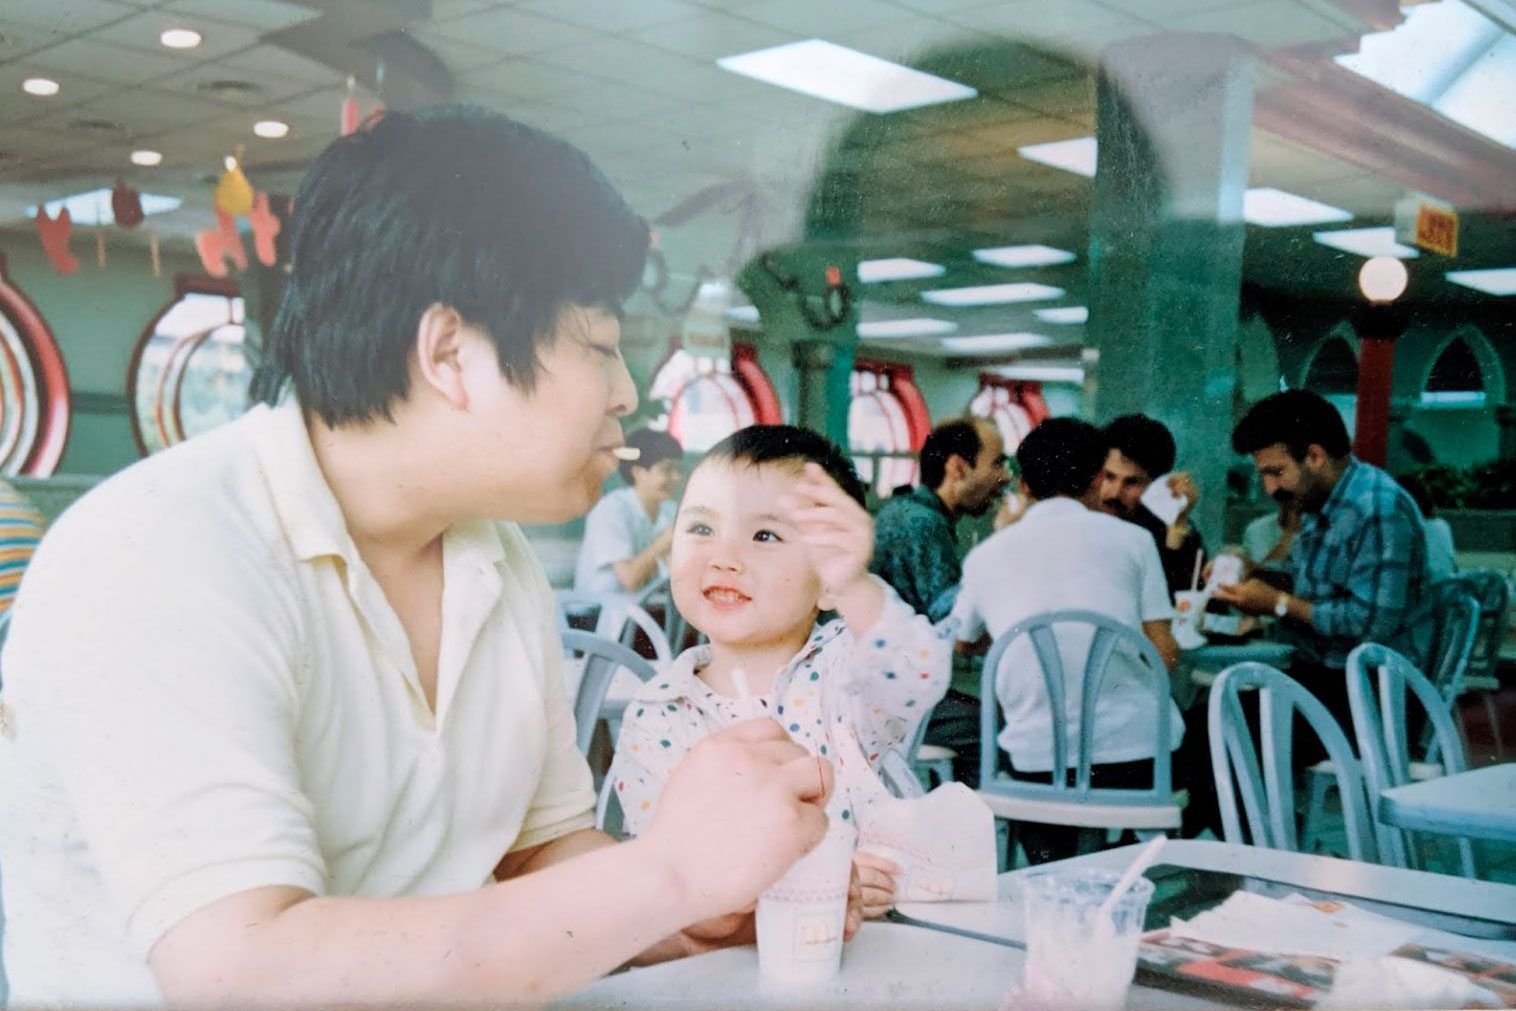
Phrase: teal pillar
pixel 1173 115
pixel 820 330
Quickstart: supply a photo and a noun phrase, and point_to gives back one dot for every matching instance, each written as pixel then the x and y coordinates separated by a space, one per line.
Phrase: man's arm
pixel 1162 637
pixel 634 572
pixel 741 808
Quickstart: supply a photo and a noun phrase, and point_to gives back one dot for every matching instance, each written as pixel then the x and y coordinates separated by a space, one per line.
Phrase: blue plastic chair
pixel 1382 740
pixel 1145 811
pixel 602 658
pixel 1267 791
pixel 1493 592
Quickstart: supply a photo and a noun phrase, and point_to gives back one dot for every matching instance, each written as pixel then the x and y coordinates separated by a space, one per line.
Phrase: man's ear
pixel 440 338
pixel 957 468
pixel 1316 457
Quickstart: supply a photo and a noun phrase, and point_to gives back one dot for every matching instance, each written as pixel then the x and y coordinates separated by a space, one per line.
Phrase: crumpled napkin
pixel 1296 926
pixel 1389 983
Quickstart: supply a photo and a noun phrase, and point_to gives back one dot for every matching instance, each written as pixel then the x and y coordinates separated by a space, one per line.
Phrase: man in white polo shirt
pixel 1064 555
pixel 283 718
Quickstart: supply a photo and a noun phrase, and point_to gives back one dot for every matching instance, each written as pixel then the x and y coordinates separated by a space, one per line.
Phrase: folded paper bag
pixel 944 844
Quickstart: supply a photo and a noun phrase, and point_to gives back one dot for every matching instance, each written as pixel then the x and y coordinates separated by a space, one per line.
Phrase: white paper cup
pixel 1189 613
pixel 801 916
pixel 1073 961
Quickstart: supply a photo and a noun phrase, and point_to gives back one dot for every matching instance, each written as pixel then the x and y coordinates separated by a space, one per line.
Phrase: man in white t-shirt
pixel 283 719
pixel 1064 555
pixel 628 533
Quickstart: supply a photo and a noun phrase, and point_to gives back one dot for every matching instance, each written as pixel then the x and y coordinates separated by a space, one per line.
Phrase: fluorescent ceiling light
pixel 1077 155
pixel 992 294
pixel 1501 281
pixel 992 343
pixel 1064 314
pixel 1043 373
pixel 922 327
pixel 845 76
pixel 147 157
pixel 42 87
pixel 897 268
pixel 1367 242
pixel 180 38
pixel 94 206
pixel 1271 208
pixel 272 129
pixel 1023 256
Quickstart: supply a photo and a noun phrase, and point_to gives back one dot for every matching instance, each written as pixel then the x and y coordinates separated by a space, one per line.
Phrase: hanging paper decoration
pixel 265 227
pixel 234 194
pixel 126 205
pixel 215 245
pixel 348 122
pixel 54 234
pixel 100 248
pixel 152 253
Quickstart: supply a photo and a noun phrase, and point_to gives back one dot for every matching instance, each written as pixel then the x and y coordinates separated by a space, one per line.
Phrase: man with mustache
pixel 1359 562
pixel 1141 450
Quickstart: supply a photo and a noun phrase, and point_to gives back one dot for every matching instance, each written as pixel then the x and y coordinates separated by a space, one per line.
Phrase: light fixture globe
pixel 1382 279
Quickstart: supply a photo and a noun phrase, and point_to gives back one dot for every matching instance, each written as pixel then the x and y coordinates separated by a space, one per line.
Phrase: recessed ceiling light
pixel 1064 314
pixel 1367 242
pixel 991 343
pixel 1500 281
pixel 180 38
pixel 897 268
pixel 922 327
pixel 1077 155
pixel 992 294
pixel 147 158
pixel 93 207
pixel 845 76
pixel 1043 373
pixel 42 87
pixel 272 129
pixel 1023 256
pixel 1271 208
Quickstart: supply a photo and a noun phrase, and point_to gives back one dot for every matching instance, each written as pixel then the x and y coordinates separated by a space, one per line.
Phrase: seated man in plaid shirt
pixel 1359 563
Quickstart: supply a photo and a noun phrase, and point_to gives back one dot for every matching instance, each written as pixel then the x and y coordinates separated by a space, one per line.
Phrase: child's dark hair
pixel 761 444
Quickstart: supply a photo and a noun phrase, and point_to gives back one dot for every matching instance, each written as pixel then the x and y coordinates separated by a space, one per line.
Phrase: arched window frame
pixel 1015 406
pixel 36 386
pixel 893 387
pixel 740 379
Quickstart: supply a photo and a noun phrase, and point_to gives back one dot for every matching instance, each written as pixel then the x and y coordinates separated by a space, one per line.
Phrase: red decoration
pixel 126 205
pixel 349 119
pixel 54 234
pixel 265 227
pixel 216 244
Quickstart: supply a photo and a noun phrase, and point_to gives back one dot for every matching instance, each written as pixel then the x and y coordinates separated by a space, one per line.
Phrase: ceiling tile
pixel 512 31
pixel 806 18
pixel 268 62
pixel 1077 26
pixel 618 59
pixel 712 35
pixel 214 81
pixel 107 62
pixel 907 38
pixel 74 88
pixel 699 81
pixel 1271 24
pixel 267 15
pixel 1153 9
pixel 63 18
pixel 938 7
pixel 613 16
pixel 619 104
pixel 141 31
pixel 456 55
pixel 141 111
pixel 525 78
pixel 446 10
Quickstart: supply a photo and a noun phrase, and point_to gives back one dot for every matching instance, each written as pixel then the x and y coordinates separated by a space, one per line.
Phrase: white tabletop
pixel 887 966
pixel 1351 879
pixel 1480 803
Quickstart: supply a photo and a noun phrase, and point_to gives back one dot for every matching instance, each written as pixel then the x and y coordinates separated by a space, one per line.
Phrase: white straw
pixel 627 453
pixel 739 681
pixel 1144 860
pixel 1195 579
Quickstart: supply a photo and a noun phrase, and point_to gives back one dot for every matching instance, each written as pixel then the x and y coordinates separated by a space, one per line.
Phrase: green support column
pixel 821 356
pixel 1173 114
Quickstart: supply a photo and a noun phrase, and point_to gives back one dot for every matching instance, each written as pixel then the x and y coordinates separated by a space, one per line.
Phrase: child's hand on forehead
pixel 837 531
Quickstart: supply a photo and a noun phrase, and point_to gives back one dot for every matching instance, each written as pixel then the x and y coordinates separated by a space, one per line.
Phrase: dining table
pixel 969 955
pixel 1475 804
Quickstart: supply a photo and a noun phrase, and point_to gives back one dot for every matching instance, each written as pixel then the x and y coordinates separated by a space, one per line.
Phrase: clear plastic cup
pixel 1073 960
pixel 802 915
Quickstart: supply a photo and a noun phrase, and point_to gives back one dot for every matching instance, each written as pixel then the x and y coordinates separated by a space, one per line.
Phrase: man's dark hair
pixel 656 447
pixel 1061 456
pixel 763 444
pixel 958 438
pixel 453 205
pixel 1145 441
pixel 1296 418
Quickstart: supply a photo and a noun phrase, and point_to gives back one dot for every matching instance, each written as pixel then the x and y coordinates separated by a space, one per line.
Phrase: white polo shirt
pixel 1061 556
pixel 207 692
pixel 617 528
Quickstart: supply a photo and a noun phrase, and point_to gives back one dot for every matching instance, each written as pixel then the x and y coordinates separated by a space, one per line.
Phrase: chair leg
pixel 1493 715
pixel 1315 814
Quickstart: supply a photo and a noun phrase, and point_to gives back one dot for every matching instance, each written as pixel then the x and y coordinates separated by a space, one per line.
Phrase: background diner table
pixel 1477 804
pixel 967 955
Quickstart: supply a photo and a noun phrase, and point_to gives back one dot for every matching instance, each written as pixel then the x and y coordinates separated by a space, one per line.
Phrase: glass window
pixel 191 370
pixel 707 399
pixel 1015 407
pixel 34 398
pixel 886 424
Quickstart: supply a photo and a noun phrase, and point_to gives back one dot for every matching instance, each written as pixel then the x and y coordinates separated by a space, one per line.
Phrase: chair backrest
pixel 1378 674
pixel 637 619
pixel 1107 635
pixel 1267 792
pixel 898 776
pixel 602 658
pixel 1452 607
pixel 1493 592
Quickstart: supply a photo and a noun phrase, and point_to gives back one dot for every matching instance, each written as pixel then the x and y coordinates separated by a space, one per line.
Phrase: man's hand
pixel 1012 508
pixel 1181 484
pixel 876 876
pixel 742 806
pixel 1251 597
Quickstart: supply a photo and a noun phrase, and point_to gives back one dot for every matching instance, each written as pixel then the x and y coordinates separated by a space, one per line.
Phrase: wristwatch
pixel 1282 606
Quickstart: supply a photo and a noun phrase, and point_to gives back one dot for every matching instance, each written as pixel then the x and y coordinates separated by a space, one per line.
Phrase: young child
pixel 771 531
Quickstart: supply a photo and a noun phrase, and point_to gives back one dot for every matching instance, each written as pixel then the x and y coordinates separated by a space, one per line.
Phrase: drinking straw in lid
pixel 1195 579
pixel 1142 862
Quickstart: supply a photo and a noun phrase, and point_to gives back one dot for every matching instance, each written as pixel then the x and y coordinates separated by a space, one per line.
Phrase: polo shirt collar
pixel 929 498
pixel 1060 505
